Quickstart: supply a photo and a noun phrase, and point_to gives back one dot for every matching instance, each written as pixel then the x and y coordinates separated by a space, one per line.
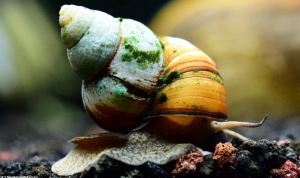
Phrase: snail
pixel 131 76
pixel 142 88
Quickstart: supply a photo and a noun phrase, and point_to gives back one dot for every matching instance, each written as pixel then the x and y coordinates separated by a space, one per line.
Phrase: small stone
pixel 256 159
pixel 224 154
pixel 247 145
pixel 132 173
pixel 291 155
pixel 106 167
pixel 187 164
pixel 13 169
pixel 247 165
pixel 38 161
pixel 208 167
pixel 37 166
pixel 296 147
pixel 39 172
pixel 154 170
pixel 266 152
pixel 283 142
pixel 287 170
pixel 236 142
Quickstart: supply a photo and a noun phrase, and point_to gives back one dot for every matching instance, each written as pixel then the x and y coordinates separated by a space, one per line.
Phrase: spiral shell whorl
pixel 198 91
pixel 115 101
pixel 112 105
pixel 92 38
pixel 139 58
pixel 73 24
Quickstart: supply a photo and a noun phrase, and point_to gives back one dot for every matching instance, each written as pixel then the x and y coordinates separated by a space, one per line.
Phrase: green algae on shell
pixel 144 59
pixel 112 104
pixel 139 58
pixel 162 98
pixel 162 82
pixel 95 39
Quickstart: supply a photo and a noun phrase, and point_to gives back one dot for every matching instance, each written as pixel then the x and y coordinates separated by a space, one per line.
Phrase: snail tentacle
pixel 235 134
pixel 217 126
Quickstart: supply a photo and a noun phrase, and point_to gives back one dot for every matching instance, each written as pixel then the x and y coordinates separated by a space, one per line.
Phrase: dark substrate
pixel 252 159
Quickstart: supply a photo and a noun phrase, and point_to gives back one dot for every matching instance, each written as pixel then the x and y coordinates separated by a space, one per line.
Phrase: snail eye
pixel 215 123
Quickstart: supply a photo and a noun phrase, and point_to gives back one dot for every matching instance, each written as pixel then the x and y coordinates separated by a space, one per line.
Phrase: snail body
pixel 131 77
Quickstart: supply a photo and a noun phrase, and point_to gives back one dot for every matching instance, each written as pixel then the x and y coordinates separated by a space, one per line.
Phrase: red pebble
pixel 283 142
pixel 224 154
pixel 187 163
pixel 287 170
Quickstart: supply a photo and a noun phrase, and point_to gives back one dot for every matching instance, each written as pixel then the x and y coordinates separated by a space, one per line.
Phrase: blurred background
pixel 255 44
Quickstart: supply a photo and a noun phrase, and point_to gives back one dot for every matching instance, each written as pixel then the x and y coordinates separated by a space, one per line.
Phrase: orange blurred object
pixel 255 44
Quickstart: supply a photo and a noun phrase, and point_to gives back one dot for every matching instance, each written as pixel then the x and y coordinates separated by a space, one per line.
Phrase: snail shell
pixel 192 85
pixel 121 62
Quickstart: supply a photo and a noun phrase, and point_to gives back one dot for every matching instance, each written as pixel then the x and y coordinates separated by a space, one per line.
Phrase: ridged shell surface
pixel 112 105
pixel 139 58
pixel 92 38
pixel 196 91
pixel 120 61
